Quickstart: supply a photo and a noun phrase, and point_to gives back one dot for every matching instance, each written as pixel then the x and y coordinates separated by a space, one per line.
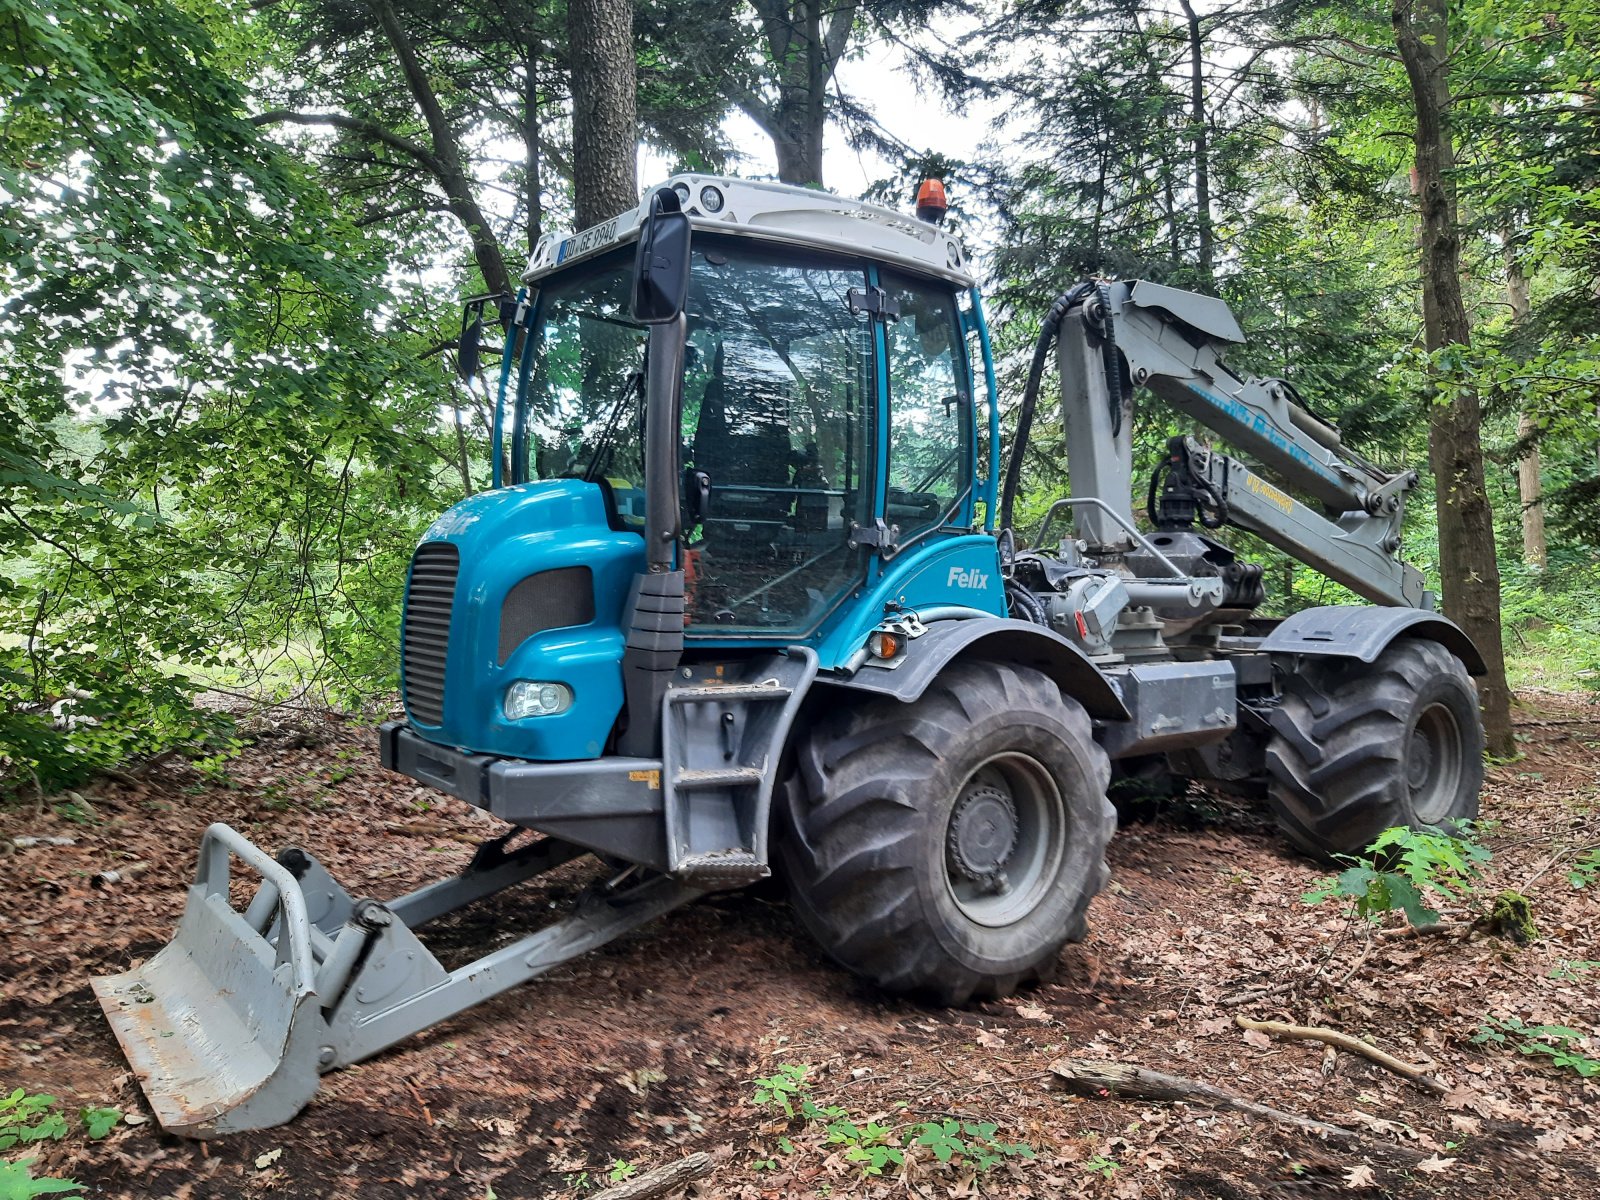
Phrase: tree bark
pixel 1200 139
pixel 805 41
pixel 662 1180
pixel 1529 491
pixel 532 150
pixel 1468 571
pixel 605 125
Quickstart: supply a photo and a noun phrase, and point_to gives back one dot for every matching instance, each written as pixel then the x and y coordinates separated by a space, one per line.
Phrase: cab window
pixel 930 406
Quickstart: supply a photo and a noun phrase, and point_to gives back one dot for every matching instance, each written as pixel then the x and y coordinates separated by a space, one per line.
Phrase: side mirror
pixel 661 264
pixel 470 343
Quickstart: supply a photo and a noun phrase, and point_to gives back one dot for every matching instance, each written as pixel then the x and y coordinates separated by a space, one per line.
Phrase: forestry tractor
pixel 746 597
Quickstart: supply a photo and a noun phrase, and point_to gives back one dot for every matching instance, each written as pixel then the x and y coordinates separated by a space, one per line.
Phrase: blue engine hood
pixel 502 537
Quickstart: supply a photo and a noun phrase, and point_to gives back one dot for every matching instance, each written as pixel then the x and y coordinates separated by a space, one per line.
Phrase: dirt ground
pixel 647 1049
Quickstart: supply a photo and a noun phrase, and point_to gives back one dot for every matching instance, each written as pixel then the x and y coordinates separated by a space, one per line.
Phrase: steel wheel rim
pixel 1037 847
pixel 1434 763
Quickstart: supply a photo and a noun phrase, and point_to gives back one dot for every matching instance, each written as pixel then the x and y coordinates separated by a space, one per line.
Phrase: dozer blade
pixel 230 1026
pixel 221 1026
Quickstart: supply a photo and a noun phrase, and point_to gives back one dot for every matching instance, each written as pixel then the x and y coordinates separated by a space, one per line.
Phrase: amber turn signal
pixel 881 643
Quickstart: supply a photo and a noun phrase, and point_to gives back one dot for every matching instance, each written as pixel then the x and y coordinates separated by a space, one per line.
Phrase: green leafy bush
pixel 1557 1042
pixel 1400 870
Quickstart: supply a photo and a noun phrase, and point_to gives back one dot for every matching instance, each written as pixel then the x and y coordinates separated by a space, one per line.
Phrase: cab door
pixel 779 404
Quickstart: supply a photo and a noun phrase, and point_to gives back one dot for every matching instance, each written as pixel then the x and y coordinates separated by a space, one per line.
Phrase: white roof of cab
pixel 776 212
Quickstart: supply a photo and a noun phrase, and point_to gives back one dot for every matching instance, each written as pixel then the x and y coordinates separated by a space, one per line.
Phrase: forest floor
pixel 649 1048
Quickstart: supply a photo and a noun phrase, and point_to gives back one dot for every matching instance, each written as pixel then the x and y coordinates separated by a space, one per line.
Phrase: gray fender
pixel 1363 632
pixel 993 639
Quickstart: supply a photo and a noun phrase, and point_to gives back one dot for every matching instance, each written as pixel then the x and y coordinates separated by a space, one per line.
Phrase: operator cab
pixel 794 340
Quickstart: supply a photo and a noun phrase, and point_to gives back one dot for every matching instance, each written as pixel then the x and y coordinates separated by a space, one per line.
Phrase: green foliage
pixel 872 1147
pixel 215 423
pixel 1100 1165
pixel 26 1117
pixel 621 1169
pixel 1552 623
pixel 34 1117
pixel 1559 1043
pixel 788 1091
pixel 973 1142
pixel 17 1182
pixel 875 1147
pixel 1400 869
pixel 1585 869
pixel 99 1122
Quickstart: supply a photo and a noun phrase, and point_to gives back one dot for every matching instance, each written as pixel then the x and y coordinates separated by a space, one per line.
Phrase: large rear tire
pixel 1360 747
pixel 949 847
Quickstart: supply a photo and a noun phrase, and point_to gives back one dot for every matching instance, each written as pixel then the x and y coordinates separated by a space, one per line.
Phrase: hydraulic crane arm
pixel 1358 549
pixel 1172 342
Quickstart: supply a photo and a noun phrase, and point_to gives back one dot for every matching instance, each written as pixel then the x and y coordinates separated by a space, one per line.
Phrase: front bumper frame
pixel 611 805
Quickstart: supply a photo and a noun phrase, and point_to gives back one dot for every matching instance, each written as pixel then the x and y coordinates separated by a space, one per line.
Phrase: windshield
pixel 579 413
pixel 779 379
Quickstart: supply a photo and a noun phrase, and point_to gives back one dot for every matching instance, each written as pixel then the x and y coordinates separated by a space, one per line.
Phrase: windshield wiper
pixel 634 387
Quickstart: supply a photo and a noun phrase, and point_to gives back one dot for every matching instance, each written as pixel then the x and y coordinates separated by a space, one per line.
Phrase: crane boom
pixel 1172 342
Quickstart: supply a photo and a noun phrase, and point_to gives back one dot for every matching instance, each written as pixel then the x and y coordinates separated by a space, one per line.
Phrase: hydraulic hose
pixel 1030 393
pixel 1024 605
pixel 1116 392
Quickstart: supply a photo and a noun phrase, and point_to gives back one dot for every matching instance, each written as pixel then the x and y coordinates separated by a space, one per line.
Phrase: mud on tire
pixel 1359 747
pixel 949 847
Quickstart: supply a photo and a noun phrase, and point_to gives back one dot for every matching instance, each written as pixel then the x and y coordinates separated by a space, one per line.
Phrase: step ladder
pixel 724 727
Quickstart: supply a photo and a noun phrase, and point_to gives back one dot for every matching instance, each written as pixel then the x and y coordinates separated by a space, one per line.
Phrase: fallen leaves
pixel 1360 1176
pixel 557 1077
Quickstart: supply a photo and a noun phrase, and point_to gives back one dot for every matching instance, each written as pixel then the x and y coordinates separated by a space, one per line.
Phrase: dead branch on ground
pixel 1345 1041
pixel 1087 1077
pixel 662 1180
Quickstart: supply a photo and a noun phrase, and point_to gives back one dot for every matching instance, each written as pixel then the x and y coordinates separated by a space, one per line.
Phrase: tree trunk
pixel 1200 139
pixel 799 153
pixel 532 149
pixel 605 128
pixel 1468 570
pixel 805 40
pixel 1529 491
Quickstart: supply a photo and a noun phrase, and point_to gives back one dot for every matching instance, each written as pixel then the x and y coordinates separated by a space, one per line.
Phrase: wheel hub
pixel 1419 761
pixel 983 834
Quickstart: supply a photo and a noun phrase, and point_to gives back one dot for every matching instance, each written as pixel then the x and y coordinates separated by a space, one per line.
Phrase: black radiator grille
pixel 426 633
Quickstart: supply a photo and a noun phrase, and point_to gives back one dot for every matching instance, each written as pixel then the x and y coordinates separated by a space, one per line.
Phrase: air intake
pixel 425 635
pixel 548 600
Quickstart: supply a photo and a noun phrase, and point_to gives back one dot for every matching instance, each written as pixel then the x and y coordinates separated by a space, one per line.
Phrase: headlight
pixel 526 699
pixel 710 199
